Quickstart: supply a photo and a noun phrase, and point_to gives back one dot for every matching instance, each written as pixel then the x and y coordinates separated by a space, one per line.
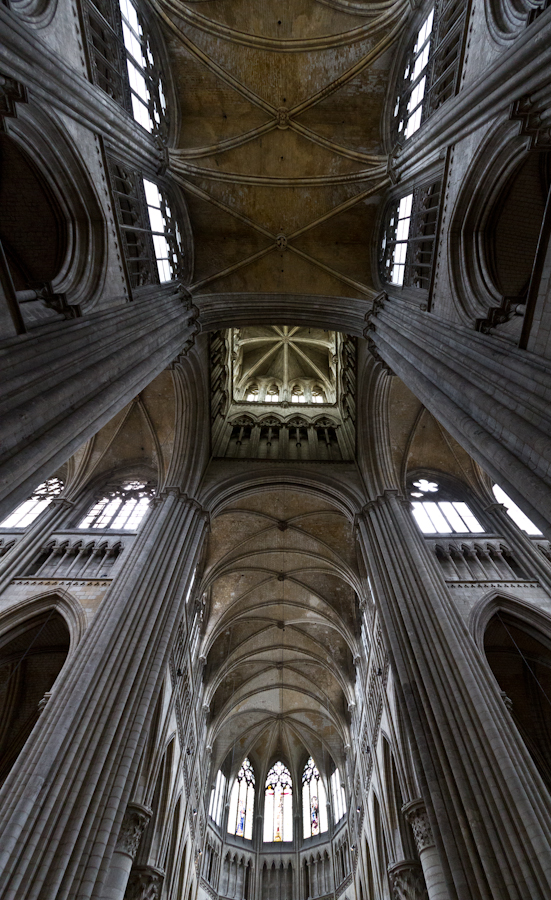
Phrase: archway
pixel 520 658
pixel 31 657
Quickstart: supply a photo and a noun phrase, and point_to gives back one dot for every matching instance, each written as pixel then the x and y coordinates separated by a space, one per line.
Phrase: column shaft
pixel 491 808
pixel 64 801
pixel 494 399
pixel 59 388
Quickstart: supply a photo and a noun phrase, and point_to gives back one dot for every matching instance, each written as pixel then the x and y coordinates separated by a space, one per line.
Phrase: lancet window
pixel 314 803
pixel 516 514
pixel 120 509
pixel 216 805
pixel 436 515
pixel 123 63
pixel 28 511
pixel 240 818
pixel 337 796
pixel 409 233
pixel 278 804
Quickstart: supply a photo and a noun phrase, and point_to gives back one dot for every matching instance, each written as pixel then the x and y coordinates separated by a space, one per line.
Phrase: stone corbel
pixel 407 881
pixel 145 883
pixel 133 826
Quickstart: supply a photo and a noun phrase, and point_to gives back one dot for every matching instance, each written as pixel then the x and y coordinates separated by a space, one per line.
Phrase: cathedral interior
pixel 275 450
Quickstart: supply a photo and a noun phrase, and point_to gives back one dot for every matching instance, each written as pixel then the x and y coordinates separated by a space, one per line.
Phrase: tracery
pixel 278 804
pixel 121 508
pixel 241 812
pixel 314 803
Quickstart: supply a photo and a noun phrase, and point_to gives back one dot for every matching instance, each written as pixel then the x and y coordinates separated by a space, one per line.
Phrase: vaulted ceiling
pixel 280 639
pixel 280 151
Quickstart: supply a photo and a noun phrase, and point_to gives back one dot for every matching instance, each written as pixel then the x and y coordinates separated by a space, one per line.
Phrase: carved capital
pixel 133 826
pixel 407 881
pixel 417 816
pixel 533 111
pixel 145 883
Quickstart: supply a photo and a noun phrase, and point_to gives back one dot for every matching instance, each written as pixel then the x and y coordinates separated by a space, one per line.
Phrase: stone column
pixel 416 814
pixel 133 826
pixel 145 883
pixel 64 801
pixel 60 385
pixel 493 398
pixel 406 880
pixel 492 810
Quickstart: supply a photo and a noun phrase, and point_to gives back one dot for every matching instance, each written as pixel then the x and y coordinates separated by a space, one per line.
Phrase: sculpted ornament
pixel 133 826
pixel 145 883
pixel 407 881
pixel 417 816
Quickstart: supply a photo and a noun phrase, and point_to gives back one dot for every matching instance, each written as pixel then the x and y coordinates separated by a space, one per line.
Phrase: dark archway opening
pixel 521 663
pixel 31 657
pixel 33 229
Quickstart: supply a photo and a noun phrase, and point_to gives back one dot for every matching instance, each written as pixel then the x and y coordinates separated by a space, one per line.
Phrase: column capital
pixel 406 880
pixel 133 826
pixel 145 883
pixel 416 814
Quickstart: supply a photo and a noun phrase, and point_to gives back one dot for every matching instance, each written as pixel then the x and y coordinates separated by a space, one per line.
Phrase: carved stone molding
pixel 133 826
pixel 145 883
pixel 11 92
pixel 407 881
pixel 534 113
pixel 417 816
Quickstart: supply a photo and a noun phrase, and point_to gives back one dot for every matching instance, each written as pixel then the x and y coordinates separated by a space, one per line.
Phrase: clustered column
pixel 472 763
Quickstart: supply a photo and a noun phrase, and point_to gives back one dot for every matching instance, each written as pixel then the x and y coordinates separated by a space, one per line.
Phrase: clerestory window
pixel 25 514
pixel 123 62
pixel 431 69
pixel 121 509
pixel 216 804
pixel 408 238
pixel 515 513
pixel 278 804
pixel 240 818
pixel 439 516
pixel 151 236
pixel 314 802
pixel 338 796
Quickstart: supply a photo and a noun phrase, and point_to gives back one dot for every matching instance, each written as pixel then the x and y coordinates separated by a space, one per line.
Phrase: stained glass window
pixel 216 804
pixel 121 509
pixel 314 803
pixel 28 511
pixel 240 819
pixel 278 804
pixel 338 796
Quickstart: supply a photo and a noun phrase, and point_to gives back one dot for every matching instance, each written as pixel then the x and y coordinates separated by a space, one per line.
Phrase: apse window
pixel 216 805
pixel 167 239
pixel 148 107
pixel 515 513
pixel 121 509
pixel 318 395
pixel 314 803
pixel 278 805
pixel 297 395
pixel 240 818
pixel 441 516
pixel 27 512
pixel 252 394
pixel 272 394
pixel 337 796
